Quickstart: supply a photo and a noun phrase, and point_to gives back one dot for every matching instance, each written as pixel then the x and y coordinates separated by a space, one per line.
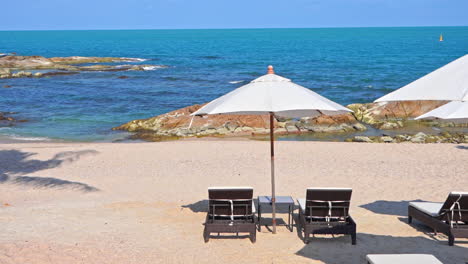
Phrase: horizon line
pixel 228 28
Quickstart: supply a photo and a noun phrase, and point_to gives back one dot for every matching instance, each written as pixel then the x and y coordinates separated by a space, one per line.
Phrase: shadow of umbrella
pixel 339 250
pixel 398 208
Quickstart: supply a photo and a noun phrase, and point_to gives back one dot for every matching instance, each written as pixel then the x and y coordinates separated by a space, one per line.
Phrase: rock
pixel 402 138
pixel 376 113
pixel 6 86
pixel 281 124
pixel 362 139
pixel 21 74
pixel 432 139
pixel 231 126
pixel 359 127
pixel 386 139
pixel 45 74
pixel 38 74
pixel 82 60
pixel 222 131
pixel 445 134
pixel 389 125
pixel 6 120
pixel 176 123
pixel 5 71
pixel 292 129
pixel 123 77
pixel 330 124
pixel 7 63
pixel 419 138
pixel 25 62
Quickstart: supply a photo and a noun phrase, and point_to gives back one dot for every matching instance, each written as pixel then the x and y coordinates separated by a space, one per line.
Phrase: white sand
pixel 149 205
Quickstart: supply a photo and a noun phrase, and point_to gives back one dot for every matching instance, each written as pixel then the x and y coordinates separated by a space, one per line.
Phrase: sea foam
pixel 133 59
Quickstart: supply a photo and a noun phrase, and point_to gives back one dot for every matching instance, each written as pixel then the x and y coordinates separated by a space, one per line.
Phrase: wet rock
pixel 58 73
pixel 21 74
pixel 6 86
pixel 330 124
pixel 6 120
pixel 70 64
pixel 402 138
pixel 386 139
pixel 362 139
pixel 359 127
pixel 389 125
pixel 123 77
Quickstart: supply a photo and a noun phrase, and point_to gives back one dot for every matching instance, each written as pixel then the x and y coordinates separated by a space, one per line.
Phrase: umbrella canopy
pixel 271 93
pixel 274 95
pixel 449 83
pixel 456 111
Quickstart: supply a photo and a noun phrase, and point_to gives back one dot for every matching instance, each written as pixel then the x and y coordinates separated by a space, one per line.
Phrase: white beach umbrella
pixel 456 111
pixel 448 83
pixel 272 95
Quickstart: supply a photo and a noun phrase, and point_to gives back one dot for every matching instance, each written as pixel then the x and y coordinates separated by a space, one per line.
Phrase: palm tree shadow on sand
pixel 14 164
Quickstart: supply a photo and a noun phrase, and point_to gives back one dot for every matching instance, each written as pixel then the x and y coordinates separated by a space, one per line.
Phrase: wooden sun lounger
pixel 450 217
pixel 326 211
pixel 401 259
pixel 230 210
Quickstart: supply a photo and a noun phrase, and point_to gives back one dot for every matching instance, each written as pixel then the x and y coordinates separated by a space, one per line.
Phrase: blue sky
pixel 169 14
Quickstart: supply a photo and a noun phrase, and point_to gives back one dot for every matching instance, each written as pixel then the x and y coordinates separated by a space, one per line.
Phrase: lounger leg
pixel 253 237
pixel 353 239
pixel 259 217
pixel 206 235
pixel 451 240
pixel 306 237
pixel 410 219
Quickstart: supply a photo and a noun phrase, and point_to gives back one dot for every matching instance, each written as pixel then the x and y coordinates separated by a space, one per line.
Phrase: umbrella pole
pixel 272 149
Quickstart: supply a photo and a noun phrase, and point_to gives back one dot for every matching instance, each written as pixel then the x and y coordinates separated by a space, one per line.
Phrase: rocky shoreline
pixel 382 116
pixel 443 137
pixel 22 66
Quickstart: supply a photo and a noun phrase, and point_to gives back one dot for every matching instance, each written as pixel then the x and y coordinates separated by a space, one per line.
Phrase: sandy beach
pixel 146 202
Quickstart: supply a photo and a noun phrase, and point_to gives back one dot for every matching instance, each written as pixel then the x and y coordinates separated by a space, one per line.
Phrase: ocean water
pixel 347 65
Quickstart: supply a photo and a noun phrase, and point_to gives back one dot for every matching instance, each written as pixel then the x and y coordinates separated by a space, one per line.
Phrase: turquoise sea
pixel 347 65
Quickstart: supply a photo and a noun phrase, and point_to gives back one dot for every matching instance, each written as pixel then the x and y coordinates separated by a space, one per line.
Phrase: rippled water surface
pixel 346 65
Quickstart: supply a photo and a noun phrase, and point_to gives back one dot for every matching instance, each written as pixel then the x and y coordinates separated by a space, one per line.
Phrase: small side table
pixel 265 201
